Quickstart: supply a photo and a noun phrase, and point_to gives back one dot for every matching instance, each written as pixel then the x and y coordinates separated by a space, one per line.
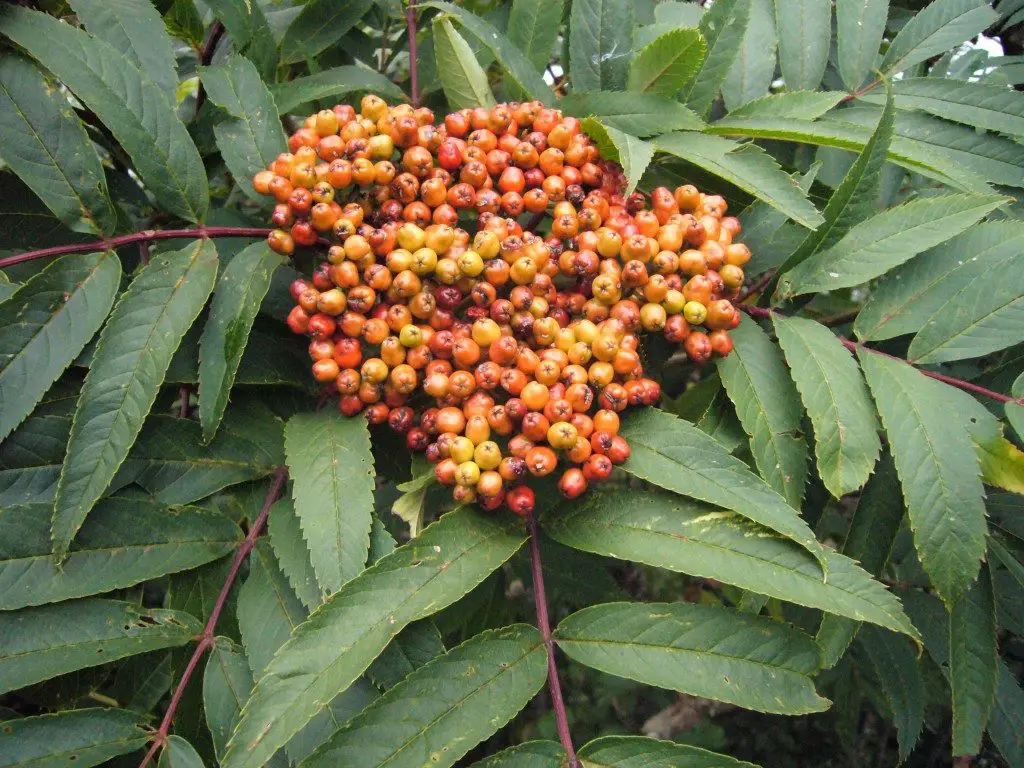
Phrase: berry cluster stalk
pixel 544 624
pixel 207 639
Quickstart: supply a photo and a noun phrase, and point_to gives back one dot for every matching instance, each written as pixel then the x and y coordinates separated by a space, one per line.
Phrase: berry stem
pixel 144 236
pixel 540 600
pixel 206 640
pixel 966 386
pixel 410 21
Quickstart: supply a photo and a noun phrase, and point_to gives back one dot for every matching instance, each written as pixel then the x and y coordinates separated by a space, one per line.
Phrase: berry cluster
pixel 499 352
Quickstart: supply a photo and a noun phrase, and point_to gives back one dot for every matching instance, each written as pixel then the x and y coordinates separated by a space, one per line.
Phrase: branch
pixel 206 56
pixel 185 392
pixel 206 640
pixel 860 91
pixel 757 287
pixel 410 22
pixel 540 600
pixel 966 386
pixel 147 235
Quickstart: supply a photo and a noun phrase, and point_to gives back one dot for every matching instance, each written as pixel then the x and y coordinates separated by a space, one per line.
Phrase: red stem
pixel 183 392
pixel 135 237
pixel 966 386
pixel 410 22
pixel 544 625
pixel 860 91
pixel 756 287
pixel 206 56
pixel 206 640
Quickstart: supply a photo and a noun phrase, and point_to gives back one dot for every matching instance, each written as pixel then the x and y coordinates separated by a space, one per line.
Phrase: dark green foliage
pixel 813 556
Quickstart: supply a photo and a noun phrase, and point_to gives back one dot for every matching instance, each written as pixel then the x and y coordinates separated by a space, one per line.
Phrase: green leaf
pixel 319 25
pixel 633 154
pixel 268 609
pixel 123 542
pixel 854 199
pixel 886 240
pixel 677 456
pixel 249 31
pixel 47 322
pixel 915 292
pixel 332 472
pixel 669 531
pixel 639 752
pixel 252 137
pixel 292 553
pixel 171 462
pixel 132 356
pixel 236 300
pixel 227 683
pixel 330 650
pixel 894 663
pixel 1006 724
pixel 178 753
pixel 976 104
pixel 748 167
pixel 133 27
pixel 869 541
pixel 40 643
pixel 940 27
pixel 47 146
pixel 804 105
pixel 268 613
pixel 337 81
pixel 768 406
pixel 805 31
pixel 973 663
pixel 723 28
pixel 982 154
pixel 464 81
pixel 666 64
pixel 518 68
pixel 641 114
pixel 85 737
pixel 533 29
pixel 1015 411
pixel 130 105
pixel 937 162
pixel 530 754
pixel 860 25
pixel 753 69
pixel 416 645
pixel 845 427
pixel 703 650
pixel 938 470
pixel 600 43
pixel 443 709
pixel 984 316
pixel 183 21
pixel 30 460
